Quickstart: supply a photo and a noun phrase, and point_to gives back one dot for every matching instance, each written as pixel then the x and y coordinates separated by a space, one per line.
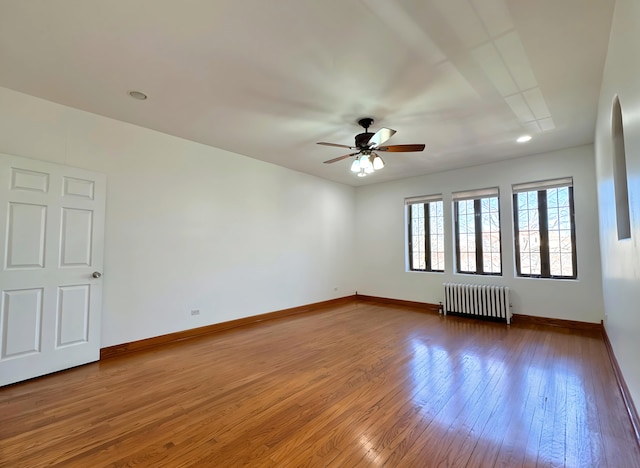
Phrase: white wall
pixel 190 226
pixel 621 258
pixel 381 235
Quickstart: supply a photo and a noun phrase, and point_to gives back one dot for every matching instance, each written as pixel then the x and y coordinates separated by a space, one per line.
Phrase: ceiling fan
pixel 367 160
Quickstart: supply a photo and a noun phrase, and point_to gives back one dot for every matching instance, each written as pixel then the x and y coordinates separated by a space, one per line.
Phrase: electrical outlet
pixel 195 311
pixel 336 288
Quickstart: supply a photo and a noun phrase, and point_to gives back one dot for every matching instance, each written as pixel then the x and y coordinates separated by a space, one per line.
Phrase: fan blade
pixel 401 148
pixel 380 137
pixel 335 144
pixel 340 158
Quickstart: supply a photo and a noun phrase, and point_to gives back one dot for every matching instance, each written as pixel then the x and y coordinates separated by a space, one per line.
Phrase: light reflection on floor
pixel 445 380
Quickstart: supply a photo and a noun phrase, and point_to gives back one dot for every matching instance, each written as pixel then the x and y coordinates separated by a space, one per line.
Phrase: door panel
pixel 73 314
pixel 26 235
pixel 29 180
pixel 51 237
pixel 77 232
pixel 21 319
pixel 79 188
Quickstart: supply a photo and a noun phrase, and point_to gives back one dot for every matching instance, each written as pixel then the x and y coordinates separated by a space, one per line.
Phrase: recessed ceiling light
pixel 138 95
pixel 523 138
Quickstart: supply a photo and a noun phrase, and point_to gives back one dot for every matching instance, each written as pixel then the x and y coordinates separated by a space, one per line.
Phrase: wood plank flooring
pixel 361 384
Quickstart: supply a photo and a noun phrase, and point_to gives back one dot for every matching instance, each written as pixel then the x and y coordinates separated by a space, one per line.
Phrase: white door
pixel 51 236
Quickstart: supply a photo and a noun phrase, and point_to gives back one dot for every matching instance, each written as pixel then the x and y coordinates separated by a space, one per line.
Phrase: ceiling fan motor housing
pixel 362 139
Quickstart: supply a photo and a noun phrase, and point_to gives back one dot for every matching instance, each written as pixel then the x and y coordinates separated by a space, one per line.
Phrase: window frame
pixel 476 196
pixel 545 264
pixel 426 202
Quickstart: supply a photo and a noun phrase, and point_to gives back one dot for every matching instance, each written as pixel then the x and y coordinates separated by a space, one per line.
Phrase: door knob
pixel 96 274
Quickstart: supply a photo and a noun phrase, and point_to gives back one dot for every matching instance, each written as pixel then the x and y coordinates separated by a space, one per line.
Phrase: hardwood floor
pixel 358 385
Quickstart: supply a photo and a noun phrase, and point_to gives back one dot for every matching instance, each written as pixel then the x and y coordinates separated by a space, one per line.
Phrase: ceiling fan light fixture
pixel 365 162
pixel 369 169
pixel 362 174
pixel 378 163
pixel 355 167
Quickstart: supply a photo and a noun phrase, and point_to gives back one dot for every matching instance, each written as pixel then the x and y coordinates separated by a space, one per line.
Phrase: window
pixel 426 233
pixel 545 229
pixel 477 219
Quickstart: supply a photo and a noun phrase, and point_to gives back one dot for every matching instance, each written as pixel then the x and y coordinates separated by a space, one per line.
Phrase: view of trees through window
pixel 545 233
pixel 426 236
pixel 478 236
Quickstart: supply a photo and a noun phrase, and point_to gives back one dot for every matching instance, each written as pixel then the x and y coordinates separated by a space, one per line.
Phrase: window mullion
pixel 478 226
pixel 543 222
pixel 410 236
pixel 516 233
pixel 574 255
pixel 427 237
pixel 456 214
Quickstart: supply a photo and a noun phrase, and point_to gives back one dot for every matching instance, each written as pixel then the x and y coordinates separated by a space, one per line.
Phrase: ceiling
pixel 269 79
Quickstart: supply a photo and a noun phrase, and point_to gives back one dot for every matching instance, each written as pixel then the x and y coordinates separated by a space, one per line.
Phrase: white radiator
pixel 478 300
